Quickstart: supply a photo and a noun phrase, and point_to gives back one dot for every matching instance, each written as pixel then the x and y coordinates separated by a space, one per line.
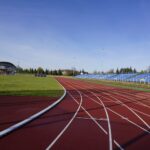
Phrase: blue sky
pixel 89 34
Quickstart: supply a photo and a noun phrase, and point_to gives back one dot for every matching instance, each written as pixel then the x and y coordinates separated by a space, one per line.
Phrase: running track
pixel 90 117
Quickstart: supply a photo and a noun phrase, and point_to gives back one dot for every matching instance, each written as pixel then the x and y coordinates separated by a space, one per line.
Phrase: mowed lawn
pixel 29 85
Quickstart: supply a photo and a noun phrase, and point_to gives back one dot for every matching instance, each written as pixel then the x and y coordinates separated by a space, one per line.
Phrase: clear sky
pixel 89 34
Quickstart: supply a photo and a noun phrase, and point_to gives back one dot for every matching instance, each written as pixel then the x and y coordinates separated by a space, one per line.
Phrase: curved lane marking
pixel 117 144
pixel 108 121
pixel 67 126
pixel 33 117
pixel 120 115
pixel 142 120
pixel 138 102
pixel 129 108
pixel 141 112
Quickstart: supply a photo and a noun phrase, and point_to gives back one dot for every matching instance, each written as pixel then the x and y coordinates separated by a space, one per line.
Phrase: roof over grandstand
pixel 5 65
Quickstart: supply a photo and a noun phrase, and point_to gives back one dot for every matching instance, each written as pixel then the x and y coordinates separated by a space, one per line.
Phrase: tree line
pixel 40 70
pixel 126 70
pixel 74 72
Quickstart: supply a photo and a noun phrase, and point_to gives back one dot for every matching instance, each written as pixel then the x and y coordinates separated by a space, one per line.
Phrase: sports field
pixel 90 116
pixel 29 85
pixel 24 95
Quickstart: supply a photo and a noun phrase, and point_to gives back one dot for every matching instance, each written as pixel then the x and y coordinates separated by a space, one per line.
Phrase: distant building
pixel 67 72
pixel 7 68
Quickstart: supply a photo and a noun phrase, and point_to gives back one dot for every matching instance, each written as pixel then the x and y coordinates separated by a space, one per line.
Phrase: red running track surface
pixel 14 109
pixel 90 117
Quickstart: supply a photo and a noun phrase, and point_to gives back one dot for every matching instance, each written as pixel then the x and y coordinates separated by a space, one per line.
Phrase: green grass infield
pixel 29 85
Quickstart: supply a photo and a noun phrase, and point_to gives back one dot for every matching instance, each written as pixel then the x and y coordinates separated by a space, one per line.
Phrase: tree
pixel 59 72
pixel 117 71
pixel 134 71
pixel 47 71
pixel 40 70
pixel 55 72
pixel 19 69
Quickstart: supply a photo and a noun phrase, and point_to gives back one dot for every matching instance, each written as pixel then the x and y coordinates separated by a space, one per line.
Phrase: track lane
pixel 47 127
pixel 121 116
pixel 14 109
pixel 96 134
pixel 107 119
pixel 89 128
pixel 110 94
pixel 68 124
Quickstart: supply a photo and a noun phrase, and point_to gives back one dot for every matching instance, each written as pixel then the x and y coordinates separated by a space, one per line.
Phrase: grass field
pixel 28 85
pixel 128 85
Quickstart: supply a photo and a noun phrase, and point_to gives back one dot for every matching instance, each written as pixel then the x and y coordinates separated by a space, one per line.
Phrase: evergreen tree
pixel 59 72
pixel 117 71
pixel 47 71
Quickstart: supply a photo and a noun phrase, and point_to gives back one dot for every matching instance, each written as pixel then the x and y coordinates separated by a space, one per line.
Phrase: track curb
pixel 33 117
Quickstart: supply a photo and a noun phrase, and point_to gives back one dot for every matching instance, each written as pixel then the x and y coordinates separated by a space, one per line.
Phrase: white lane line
pixel 137 95
pixel 33 117
pixel 117 144
pixel 130 107
pixel 128 120
pixel 141 112
pixel 143 104
pixel 68 124
pixel 133 123
pixel 109 126
pixel 142 120
pixel 98 119
pixel 136 102
pixel 90 116
pixel 118 102
pixel 125 118
pixel 87 111
pixel 129 98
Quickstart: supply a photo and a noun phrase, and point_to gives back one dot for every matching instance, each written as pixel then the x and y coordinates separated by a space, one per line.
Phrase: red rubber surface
pixel 13 109
pixel 128 111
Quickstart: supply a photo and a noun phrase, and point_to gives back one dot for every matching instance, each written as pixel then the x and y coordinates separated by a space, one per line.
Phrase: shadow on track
pixel 134 140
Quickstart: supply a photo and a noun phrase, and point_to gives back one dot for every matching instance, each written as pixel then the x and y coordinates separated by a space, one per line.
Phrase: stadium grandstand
pixel 130 77
pixel 7 68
